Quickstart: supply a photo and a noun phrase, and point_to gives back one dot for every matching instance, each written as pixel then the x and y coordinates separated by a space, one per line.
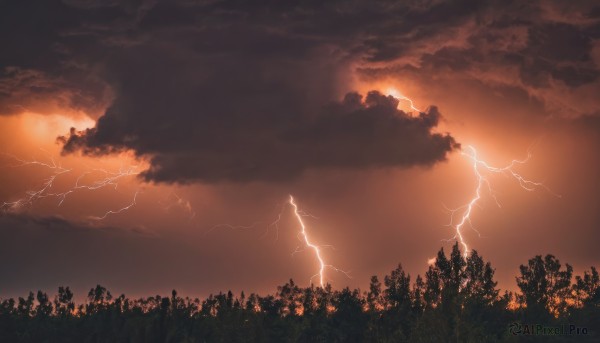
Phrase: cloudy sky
pixel 150 145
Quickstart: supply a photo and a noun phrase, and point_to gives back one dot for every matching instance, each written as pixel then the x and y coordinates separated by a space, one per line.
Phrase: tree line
pixel 457 300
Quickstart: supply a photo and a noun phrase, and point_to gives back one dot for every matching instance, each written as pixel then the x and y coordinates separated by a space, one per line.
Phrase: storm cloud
pixel 237 104
pixel 354 133
pixel 227 90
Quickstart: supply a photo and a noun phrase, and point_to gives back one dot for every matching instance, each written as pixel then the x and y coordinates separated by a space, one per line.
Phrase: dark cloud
pixel 31 90
pixel 229 90
pixel 45 65
pixel 349 134
pixel 221 91
pixel 548 49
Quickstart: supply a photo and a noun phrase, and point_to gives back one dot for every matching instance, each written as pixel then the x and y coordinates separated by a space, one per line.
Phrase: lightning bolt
pixel 467 209
pixel 396 94
pixel 33 195
pixel 275 224
pixel 109 178
pixel 309 244
pixel 302 235
pixel 122 209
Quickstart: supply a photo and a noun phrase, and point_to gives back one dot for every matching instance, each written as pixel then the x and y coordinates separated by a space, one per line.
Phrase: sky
pixel 154 145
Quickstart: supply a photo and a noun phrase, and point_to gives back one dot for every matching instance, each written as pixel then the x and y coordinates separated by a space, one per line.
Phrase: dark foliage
pixel 456 301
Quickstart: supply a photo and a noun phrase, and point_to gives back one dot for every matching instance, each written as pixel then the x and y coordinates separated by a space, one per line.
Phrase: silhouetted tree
pixel 586 291
pixel 545 288
pixel 433 287
pixel 44 307
pixel 374 296
pixel 63 302
pixel 348 319
pixel 397 317
pixel 456 301
pixel 480 287
pixel 98 299
pixel 25 306
pixel 418 299
pixel 587 288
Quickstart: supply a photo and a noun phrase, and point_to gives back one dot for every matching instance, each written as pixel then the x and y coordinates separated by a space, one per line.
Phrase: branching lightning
pixel 303 236
pixel 122 209
pixel 482 182
pixel 109 178
pixel 33 195
pixel 467 209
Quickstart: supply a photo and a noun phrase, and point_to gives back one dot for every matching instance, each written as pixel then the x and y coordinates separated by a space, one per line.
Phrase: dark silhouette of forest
pixel 456 301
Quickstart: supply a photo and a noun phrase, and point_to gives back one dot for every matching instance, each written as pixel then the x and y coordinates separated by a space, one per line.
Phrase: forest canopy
pixel 457 300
